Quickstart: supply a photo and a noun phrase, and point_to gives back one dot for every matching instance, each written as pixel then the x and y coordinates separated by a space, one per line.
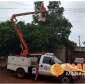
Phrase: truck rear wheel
pixel 20 73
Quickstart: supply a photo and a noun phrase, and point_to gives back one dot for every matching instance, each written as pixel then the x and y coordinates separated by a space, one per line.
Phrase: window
pixel 48 60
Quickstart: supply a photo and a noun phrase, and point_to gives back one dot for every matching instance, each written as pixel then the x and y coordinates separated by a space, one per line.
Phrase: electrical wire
pixel 72 10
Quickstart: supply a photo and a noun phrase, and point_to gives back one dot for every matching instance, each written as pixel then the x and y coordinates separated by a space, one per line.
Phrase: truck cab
pixel 45 63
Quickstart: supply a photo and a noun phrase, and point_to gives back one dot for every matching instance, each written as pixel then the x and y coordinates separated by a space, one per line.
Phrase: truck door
pixel 44 66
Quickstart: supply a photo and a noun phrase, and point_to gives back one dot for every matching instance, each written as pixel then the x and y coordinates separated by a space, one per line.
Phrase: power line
pixel 69 10
pixel 13 8
pixel 64 10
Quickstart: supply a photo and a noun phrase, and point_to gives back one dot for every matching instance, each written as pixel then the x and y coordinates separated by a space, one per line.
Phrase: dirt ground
pixel 10 77
pixel 6 77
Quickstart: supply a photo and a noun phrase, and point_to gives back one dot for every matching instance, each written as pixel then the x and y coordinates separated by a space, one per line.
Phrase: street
pixel 10 77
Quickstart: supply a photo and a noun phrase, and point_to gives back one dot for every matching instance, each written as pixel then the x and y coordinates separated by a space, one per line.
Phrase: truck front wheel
pixel 20 73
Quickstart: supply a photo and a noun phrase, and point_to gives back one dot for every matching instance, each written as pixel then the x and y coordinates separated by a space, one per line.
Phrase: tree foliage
pixel 58 27
pixel 8 41
pixel 40 36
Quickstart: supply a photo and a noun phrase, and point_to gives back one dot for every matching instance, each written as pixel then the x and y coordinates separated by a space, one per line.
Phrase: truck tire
pixel 20 73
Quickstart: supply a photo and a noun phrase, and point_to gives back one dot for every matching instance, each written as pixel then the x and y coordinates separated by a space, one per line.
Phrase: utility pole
pixel 79 41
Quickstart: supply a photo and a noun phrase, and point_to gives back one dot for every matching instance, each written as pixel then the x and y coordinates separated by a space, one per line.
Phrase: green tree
pixel 48 35
pixel 38 40
pixel 57 26
pixel 8 41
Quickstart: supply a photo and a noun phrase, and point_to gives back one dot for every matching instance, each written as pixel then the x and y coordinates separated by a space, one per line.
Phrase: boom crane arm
pixel 24 47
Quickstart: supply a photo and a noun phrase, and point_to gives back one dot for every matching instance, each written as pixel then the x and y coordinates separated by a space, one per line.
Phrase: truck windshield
pixel 57 60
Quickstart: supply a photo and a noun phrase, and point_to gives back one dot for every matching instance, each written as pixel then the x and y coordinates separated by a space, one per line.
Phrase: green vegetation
pixel 45 36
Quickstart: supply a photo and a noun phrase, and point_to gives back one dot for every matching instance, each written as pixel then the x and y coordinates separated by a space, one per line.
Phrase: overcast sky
pixel 74 11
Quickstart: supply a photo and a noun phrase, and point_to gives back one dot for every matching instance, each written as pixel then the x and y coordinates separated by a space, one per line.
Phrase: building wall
pixel 69 56
pixel 60 53
pixel 79 52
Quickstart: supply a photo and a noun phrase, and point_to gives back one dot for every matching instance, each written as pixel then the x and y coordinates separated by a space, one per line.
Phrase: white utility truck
pixel 22 65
